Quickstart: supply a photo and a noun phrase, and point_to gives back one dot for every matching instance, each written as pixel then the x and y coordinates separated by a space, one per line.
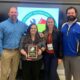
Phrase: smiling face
pixel 50 23
pixel 71 14
pixel 13 13
pixel 33 30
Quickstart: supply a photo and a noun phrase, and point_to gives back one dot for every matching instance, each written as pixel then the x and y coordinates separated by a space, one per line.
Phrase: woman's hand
pixel 60 61
pixel 39 51
pixel 43 48
pixel 23 52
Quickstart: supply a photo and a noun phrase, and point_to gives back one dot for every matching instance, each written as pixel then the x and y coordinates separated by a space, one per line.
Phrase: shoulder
pixel 78 23
pixel 3 24
pixel 25 37
pixel 64 24
pixel 22 23
pixel 77 27
pixel 56 30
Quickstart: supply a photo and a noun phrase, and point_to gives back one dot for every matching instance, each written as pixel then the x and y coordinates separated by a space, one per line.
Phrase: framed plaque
pixel 32 51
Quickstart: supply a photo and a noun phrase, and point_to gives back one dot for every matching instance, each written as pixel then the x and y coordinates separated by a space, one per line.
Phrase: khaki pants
pixel 72 67
pixel 9 64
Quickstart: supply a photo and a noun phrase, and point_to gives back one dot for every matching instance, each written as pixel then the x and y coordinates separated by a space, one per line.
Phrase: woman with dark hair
pixel 52 37
pixel 31 49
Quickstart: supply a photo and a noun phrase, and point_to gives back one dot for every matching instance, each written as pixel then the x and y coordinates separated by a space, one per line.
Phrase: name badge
pixel 50 46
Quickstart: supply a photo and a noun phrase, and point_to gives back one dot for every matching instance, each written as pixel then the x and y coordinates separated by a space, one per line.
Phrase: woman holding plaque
pixel 31 49
pixel 51 55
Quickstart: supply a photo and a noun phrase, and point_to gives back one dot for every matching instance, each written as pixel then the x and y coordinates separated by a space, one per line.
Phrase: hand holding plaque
pixel 39 51
pixel 32 51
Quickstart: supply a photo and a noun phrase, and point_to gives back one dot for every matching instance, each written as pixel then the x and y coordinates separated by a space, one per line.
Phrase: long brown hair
pixel 37 36
pixel 55 28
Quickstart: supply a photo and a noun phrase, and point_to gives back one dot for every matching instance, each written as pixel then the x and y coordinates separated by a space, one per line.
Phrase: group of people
pixel 17 41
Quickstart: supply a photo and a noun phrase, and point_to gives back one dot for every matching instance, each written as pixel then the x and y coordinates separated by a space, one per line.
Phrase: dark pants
pixel 31 69
pixel 50 67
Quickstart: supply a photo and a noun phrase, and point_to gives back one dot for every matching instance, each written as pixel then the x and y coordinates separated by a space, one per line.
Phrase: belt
pixel 11 49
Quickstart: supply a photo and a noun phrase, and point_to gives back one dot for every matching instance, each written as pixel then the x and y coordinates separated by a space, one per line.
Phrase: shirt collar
pixel 12 21
pixel 72 22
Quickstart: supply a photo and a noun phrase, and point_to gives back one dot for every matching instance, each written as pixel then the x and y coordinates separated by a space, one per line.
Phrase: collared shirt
pixel 71 38
pixel 10 34
pixel 70 24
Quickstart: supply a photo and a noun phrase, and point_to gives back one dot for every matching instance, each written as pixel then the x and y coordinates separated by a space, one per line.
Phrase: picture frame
pixel 32 52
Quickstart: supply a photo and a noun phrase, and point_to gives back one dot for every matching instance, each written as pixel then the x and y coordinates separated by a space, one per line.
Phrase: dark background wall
pixel 61 4
pixel 48 1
